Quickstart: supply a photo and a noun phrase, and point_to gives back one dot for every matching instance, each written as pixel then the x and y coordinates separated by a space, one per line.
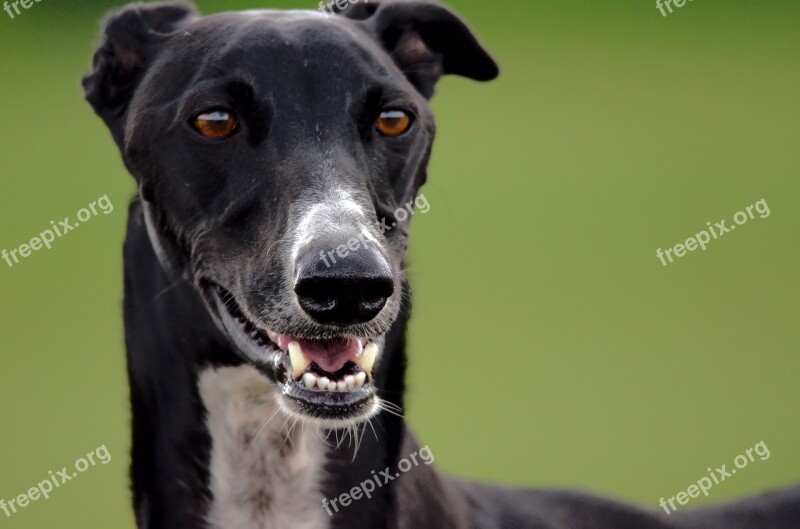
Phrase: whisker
pixel 391 405
pixel 170 287
pixel 263 424
pixel 355 437
pixel 289 433
pixel 393 410
pixel 369 421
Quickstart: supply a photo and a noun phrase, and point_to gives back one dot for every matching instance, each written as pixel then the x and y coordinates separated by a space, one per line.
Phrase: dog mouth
pixel 325 379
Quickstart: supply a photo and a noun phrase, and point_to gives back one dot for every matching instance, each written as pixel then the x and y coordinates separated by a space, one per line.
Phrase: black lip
pixel 331 405
pixel 326 405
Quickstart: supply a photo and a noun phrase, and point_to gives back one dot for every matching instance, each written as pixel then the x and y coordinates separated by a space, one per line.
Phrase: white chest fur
pixel 261 476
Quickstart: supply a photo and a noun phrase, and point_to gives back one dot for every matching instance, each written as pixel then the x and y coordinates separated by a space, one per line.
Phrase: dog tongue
pixel 330 355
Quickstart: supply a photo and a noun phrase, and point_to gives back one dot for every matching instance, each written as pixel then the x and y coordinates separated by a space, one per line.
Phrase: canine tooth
pixel 299 362
pixel 361 377
pixel 341 385
pixel 310 380
pixel 350 381
pixel 323 382
pixel 331 386
pixel 367 360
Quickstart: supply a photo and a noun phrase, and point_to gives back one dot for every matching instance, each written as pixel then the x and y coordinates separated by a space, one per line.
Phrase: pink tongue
pixel 333 355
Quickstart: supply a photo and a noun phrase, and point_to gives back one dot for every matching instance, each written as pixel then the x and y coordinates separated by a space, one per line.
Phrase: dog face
pixel 273 151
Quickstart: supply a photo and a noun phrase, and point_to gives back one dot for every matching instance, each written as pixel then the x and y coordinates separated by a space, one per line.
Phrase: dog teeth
pixel 299 362
pixel 300 365
pixel 367 359
pixel 360 378
pixel 312 381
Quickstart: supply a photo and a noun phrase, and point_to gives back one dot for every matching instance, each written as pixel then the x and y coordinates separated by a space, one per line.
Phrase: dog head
pixel 279 156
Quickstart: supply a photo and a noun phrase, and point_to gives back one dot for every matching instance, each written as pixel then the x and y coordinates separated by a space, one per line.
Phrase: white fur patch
pixel 336 212
pixel 297 14
pixel 262 477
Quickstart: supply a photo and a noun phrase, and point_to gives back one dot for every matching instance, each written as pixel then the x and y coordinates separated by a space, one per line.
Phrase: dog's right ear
pixel 131 37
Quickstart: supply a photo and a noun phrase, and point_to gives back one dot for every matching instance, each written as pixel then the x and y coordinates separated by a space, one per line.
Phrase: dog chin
pixel 327 382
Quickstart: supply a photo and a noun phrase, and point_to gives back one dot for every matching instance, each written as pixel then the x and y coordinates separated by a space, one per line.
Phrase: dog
pixel 262 143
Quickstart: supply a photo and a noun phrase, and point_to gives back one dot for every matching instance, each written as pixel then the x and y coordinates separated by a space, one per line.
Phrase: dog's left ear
pixel 426 40
pixel 131 39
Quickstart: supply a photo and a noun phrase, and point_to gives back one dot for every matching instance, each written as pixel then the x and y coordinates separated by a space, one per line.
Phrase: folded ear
pixel 426 40
pixel 131 37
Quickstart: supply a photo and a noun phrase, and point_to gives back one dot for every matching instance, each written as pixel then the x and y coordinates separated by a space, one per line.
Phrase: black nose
pixel 339 290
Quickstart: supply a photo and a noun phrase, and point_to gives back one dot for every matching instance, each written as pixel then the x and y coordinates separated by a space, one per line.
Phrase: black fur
pixel 304 92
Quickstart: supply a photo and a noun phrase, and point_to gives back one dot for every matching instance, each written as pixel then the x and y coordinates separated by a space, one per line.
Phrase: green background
pixel 549 346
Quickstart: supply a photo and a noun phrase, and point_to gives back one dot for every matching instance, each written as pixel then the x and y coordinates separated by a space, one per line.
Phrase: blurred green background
pixel 549 346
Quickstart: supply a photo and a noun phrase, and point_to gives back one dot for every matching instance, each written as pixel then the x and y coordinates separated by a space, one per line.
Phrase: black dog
pixel 263 143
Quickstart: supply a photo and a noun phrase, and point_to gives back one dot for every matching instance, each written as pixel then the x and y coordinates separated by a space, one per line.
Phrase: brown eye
pixel 393 123
pixel 215 124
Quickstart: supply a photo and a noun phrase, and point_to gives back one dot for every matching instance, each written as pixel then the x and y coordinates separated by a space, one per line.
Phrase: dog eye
pixel 216 124
pixel 393 123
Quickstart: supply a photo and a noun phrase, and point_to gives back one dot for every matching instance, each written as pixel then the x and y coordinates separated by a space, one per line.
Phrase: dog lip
pixel 253 344
pixel 332 405
pixel 260 347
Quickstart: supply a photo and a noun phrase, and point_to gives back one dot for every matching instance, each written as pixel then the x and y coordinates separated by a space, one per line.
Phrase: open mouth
pixel 329 380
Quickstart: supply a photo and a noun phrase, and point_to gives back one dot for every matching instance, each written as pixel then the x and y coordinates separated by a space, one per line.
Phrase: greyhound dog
pixel 262 143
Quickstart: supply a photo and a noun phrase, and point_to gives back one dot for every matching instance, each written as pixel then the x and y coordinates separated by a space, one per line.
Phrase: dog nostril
pixel 343 300
pixel 311 299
